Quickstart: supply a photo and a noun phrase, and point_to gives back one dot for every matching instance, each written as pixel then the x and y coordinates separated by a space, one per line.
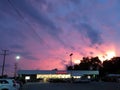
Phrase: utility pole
pixel 4 55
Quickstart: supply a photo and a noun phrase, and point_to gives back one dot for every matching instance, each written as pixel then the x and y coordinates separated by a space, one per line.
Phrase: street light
pixel 16 66
pixel 17 58
pixel 71 59
pixel 71 66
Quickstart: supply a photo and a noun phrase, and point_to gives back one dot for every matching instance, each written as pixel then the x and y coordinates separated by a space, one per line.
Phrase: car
pixel 83 79
pixel 9 84
pixel 118 80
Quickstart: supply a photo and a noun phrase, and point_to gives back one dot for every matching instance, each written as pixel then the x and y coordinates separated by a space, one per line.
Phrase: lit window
pixel 88 77
pixel 27 78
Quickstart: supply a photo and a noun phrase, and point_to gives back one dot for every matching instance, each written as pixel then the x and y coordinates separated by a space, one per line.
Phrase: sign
pixel 61 72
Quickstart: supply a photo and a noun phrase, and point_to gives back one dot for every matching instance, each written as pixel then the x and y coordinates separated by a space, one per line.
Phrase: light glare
pixel 17 57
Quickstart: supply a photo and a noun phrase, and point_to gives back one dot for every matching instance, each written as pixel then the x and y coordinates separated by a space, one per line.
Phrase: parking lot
pixel 72 86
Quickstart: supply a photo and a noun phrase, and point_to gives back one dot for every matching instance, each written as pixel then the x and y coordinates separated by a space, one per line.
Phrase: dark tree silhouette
pixel 92 63
pixel 112 66
pixel 96 63
pixel 87 63
pixel 69 67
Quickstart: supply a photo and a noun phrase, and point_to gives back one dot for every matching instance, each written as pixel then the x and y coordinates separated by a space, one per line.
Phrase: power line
pixel 4 55
pixel 19 13
pixel 15 9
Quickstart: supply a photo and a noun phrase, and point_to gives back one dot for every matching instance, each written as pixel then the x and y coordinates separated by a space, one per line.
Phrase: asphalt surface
pixel 72 86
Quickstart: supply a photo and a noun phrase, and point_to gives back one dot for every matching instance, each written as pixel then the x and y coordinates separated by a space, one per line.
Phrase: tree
pixel 87 63
pixel 112 66
pixel 92 63
pixel 69 67
pixel 96 63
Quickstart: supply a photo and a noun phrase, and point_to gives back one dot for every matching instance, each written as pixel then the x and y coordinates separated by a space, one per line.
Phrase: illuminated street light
pixel 17 58
pixel 16 66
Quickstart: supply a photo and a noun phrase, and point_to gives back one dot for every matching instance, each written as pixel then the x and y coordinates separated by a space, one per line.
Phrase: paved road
pixel 72 86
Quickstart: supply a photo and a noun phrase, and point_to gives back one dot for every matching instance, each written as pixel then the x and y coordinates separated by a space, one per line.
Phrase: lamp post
pixel 71 66
pixel 71 60
pixel 16 66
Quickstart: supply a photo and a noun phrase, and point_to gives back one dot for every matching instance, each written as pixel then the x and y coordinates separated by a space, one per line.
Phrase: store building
pixel 45 75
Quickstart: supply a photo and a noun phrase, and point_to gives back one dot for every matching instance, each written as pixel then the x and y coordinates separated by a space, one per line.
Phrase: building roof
pixel 36 72
pixel 73 72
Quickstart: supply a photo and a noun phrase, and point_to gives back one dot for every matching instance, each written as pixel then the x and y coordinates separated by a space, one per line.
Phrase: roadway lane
pixel 72 86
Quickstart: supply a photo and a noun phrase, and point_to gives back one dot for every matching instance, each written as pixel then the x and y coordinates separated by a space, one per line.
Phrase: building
pixel 45 75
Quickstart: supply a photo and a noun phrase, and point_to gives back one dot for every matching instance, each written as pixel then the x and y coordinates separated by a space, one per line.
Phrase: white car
pixel 8 84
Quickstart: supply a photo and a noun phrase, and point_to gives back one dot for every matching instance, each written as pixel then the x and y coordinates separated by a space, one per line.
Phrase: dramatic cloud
pixel 89 32
pixel 45 32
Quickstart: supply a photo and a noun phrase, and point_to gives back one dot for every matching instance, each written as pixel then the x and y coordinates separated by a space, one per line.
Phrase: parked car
pixel 83 79
pixel 118 80
pixel 9 84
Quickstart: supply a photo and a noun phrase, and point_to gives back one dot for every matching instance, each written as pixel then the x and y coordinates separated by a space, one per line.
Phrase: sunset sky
pixel 45 32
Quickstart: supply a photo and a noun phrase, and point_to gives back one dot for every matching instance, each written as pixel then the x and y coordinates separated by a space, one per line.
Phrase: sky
pixel 45 32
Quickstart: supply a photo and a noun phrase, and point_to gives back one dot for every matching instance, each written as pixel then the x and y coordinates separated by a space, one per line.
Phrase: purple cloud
pixel 45 31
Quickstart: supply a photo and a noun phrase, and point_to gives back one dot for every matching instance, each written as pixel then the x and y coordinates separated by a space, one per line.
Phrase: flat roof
pixel 73 72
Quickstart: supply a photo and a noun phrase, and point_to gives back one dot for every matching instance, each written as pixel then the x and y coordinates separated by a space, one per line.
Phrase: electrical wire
pixel 23 18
